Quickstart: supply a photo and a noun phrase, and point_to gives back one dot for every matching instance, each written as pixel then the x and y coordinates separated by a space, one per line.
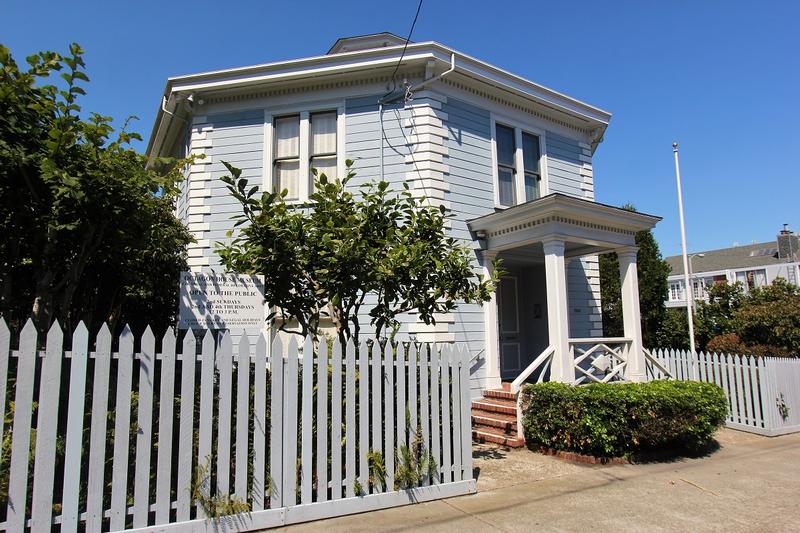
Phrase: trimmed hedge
pixel 623 419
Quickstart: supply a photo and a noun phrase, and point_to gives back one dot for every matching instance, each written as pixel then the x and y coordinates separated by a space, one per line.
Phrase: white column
pixel 491 338
pixel 631 316
pixel 562 368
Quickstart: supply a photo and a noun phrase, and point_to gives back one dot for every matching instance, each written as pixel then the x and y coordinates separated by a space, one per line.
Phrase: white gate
pixel 763 392
pixel 131 438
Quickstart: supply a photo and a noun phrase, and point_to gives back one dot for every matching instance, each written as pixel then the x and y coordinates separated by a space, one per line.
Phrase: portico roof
pixel 589 227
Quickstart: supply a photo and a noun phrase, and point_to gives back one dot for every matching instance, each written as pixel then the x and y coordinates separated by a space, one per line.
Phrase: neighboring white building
pixel 754 265
pixel 510 159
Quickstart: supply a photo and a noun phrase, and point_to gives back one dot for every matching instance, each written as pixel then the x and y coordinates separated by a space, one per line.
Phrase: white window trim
pixel 519 176
pixel 304 110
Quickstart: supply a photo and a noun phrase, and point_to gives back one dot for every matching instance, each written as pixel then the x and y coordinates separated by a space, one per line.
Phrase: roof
pixel 751 255
pixel 598 227
pixel 369 62
pixel 365 42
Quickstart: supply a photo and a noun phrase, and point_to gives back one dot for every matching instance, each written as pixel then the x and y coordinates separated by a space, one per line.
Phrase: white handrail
pixel 547 353
pixel 599 340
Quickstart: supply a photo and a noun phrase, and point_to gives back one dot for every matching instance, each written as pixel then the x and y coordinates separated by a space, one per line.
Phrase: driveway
pixel 751 483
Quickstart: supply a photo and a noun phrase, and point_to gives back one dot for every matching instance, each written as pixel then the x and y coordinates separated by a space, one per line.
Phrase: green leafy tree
pixel 652 271
pixel 763 321
pixel 715 317
pixel 88 230
pixel 371 242
pixel 674 330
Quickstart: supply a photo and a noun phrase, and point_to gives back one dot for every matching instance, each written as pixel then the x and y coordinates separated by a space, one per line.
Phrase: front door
pixel 509 328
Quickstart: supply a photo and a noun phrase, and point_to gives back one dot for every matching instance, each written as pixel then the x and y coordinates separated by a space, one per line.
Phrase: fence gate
pixel 763 392
pixel 206 434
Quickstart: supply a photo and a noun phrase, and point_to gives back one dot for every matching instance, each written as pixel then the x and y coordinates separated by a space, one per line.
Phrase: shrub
pixel 623 419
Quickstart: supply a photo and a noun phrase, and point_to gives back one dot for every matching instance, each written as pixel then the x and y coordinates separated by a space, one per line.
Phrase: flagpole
pixel 686 278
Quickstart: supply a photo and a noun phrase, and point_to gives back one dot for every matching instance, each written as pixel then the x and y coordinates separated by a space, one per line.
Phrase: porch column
pixel 491 338
pixel 557 317
pixel 631 316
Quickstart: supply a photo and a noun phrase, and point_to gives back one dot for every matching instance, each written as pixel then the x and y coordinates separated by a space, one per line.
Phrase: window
pixel 323 145
pixel 286 158
pixel 518 165
pixel 699 288
pixel 530 158
pixel 752 278
pixel 675 291
pixel 505 165
pixel 301 142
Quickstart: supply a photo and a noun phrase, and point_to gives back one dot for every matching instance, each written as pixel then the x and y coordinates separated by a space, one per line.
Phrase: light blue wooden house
pixel 511 160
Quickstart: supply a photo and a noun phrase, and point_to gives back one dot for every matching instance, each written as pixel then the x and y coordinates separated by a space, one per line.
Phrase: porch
pixel 528 323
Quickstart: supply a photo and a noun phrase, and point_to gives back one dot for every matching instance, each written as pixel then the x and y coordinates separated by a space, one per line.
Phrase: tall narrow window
pixel 286 161
pixel 530 158
pixel 322 151
pixel 506 147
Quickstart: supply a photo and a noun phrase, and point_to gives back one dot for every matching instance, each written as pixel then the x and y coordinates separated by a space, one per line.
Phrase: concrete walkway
pixel 751 483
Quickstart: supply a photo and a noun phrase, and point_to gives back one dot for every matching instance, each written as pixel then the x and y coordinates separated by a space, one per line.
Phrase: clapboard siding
pixel 583 296
pixel 569 167
pixel 236 138
pixel 469 158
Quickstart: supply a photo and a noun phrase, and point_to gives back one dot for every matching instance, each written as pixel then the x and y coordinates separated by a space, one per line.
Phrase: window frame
pixel 519 161
pixel 305 110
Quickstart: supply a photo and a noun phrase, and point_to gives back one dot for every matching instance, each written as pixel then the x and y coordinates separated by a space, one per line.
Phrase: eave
pixel 596 227
pixel 584 115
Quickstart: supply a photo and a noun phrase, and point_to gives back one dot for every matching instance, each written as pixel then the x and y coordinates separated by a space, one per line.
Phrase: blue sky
pixel 722 78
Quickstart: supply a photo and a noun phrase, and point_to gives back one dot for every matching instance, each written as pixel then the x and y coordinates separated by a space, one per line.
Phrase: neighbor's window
pixel 506 150
pixel 323 145
pixel 286 159
pixel 517 162
pixel 675 292
pixel 752 278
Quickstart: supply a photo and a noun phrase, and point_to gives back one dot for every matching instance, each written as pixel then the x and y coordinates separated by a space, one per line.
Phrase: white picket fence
pixel 763 392
pixel 121 436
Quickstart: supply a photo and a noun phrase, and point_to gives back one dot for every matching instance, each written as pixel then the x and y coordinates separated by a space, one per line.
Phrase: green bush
pixel 623 419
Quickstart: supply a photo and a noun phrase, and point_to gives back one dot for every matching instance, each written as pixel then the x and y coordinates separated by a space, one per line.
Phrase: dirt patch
pixel 497 466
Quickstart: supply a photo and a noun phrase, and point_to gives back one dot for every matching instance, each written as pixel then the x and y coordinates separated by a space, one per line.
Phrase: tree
pixel 763 321
pixel 652 271
pixel 327 261
pixel 88 230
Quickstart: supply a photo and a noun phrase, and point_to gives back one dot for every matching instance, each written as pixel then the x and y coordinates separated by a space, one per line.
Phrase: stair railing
pixel 543 360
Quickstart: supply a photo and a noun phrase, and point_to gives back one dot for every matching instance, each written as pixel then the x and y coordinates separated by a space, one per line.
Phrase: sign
pixel 221 301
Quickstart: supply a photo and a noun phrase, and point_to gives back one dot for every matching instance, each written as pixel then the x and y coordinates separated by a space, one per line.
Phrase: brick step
pixel 496 406
pixel 508 423
pixel 496 436
pixel 500 395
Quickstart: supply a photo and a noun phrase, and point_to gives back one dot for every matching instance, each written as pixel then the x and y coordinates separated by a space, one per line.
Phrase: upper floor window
pixel 323 144
pixel 506 166
pixel 301 142
pixel 752 279
pixel 286 158
pixel 518 155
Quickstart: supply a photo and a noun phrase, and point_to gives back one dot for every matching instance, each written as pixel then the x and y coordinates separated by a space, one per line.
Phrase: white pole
pixel 686 276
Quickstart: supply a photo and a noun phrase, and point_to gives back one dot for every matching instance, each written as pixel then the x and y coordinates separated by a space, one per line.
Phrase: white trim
pixel 304 186
pixel 341 139
pixel 267 165
pixel 519 163
pixel 495 176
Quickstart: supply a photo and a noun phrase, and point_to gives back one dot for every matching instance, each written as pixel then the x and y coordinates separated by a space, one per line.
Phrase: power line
pixel 403 53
